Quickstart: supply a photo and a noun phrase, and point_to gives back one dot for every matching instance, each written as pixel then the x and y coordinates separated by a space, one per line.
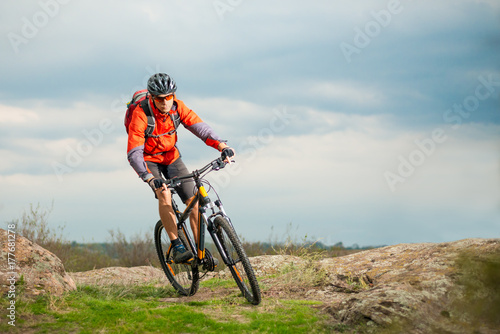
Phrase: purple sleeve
pixel 136 159
pixel 203 131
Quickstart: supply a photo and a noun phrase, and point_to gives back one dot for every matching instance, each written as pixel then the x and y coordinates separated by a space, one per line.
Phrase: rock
pixel 30 270
pixel 264 265
pixel 142 275
pixel 409 285
pixel 272 264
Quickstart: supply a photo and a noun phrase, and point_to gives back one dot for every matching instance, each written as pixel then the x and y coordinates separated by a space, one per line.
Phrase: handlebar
pixel 197 174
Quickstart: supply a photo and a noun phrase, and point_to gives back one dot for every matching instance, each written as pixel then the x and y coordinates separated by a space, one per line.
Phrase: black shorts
pixel 186 189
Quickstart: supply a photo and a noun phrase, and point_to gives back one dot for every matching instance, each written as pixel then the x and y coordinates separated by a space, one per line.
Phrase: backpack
pixel 141 98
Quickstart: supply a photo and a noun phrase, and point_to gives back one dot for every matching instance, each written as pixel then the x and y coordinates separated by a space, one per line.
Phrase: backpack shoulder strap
pixel 149 114
pixel 175 117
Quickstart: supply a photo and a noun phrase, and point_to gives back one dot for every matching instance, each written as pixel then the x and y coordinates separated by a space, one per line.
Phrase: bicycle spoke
pixel 238 262
pixel 184 277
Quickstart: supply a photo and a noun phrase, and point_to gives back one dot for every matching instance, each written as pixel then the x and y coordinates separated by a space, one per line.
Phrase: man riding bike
pixel 152 156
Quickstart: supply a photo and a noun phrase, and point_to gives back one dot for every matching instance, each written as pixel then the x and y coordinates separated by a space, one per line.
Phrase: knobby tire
pixel 238 262
pixel 183 277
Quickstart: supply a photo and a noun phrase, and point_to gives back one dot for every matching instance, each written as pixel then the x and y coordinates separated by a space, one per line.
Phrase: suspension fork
pixel 203 202
pixel 218 243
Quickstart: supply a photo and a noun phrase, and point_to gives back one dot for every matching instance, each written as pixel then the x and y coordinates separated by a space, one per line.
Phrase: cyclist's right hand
pixel 156 183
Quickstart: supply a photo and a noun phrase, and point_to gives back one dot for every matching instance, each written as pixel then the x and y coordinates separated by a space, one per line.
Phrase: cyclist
pixel 157 155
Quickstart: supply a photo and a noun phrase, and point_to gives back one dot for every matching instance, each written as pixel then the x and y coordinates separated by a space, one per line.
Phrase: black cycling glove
pixel 227 153
pixel 156 183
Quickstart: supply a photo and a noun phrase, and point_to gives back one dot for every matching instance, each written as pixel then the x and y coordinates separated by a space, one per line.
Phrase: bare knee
pixel 164 197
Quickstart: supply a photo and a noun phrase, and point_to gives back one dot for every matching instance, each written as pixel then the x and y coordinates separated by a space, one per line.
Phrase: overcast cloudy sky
pixel 362 122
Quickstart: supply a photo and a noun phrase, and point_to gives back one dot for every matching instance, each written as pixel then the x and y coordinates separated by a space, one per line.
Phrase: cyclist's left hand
pixel 227 153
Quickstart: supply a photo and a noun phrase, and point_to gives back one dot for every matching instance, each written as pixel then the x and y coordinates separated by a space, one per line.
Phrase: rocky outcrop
pixel 412 288
pixel 29 270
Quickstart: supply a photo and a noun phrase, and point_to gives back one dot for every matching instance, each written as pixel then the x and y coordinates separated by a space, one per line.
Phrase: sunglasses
pixel 163 98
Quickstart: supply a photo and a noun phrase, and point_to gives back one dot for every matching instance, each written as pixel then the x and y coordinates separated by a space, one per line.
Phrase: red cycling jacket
pixel 162 149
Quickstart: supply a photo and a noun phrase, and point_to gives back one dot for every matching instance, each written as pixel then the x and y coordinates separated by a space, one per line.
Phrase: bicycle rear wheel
pixel 238 262
pixel 184 277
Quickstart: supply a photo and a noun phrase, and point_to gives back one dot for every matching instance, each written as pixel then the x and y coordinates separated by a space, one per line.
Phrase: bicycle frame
pixel 212 217
pixel 204 204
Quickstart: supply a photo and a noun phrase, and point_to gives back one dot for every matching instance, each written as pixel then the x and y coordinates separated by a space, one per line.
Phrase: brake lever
pixel 174 183
pixel 218 164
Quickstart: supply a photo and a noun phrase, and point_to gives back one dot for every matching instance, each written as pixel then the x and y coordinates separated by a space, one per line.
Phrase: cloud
pixel 416 67
pixel 314 134
pixel 350 93
pixel 285 177
pixel 12 116
pixel 345 170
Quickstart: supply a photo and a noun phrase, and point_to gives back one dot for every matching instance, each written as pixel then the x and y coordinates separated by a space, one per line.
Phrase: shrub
pixel 139 251
pixel 34 226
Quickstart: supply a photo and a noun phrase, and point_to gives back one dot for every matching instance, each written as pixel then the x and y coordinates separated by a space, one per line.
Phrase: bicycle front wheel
pixel 238 262
pixel 184 277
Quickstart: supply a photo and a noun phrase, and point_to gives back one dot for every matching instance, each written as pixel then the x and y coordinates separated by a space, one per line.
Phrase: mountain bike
pixel 185 277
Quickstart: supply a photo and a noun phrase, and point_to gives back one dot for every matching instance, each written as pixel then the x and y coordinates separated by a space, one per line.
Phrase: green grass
pixel 477 294
pixel 147 309
pixel 217 283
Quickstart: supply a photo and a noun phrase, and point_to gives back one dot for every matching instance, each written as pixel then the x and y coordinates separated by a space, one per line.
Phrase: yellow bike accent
pixel 203 192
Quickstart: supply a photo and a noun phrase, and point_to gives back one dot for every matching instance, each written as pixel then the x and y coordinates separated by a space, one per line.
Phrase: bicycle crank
pixel 209 262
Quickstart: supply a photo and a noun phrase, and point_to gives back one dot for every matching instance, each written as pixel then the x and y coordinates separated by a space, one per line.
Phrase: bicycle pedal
pixel 190 261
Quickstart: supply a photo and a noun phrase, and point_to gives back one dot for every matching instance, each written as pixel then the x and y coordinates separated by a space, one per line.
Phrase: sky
pixel 361 122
